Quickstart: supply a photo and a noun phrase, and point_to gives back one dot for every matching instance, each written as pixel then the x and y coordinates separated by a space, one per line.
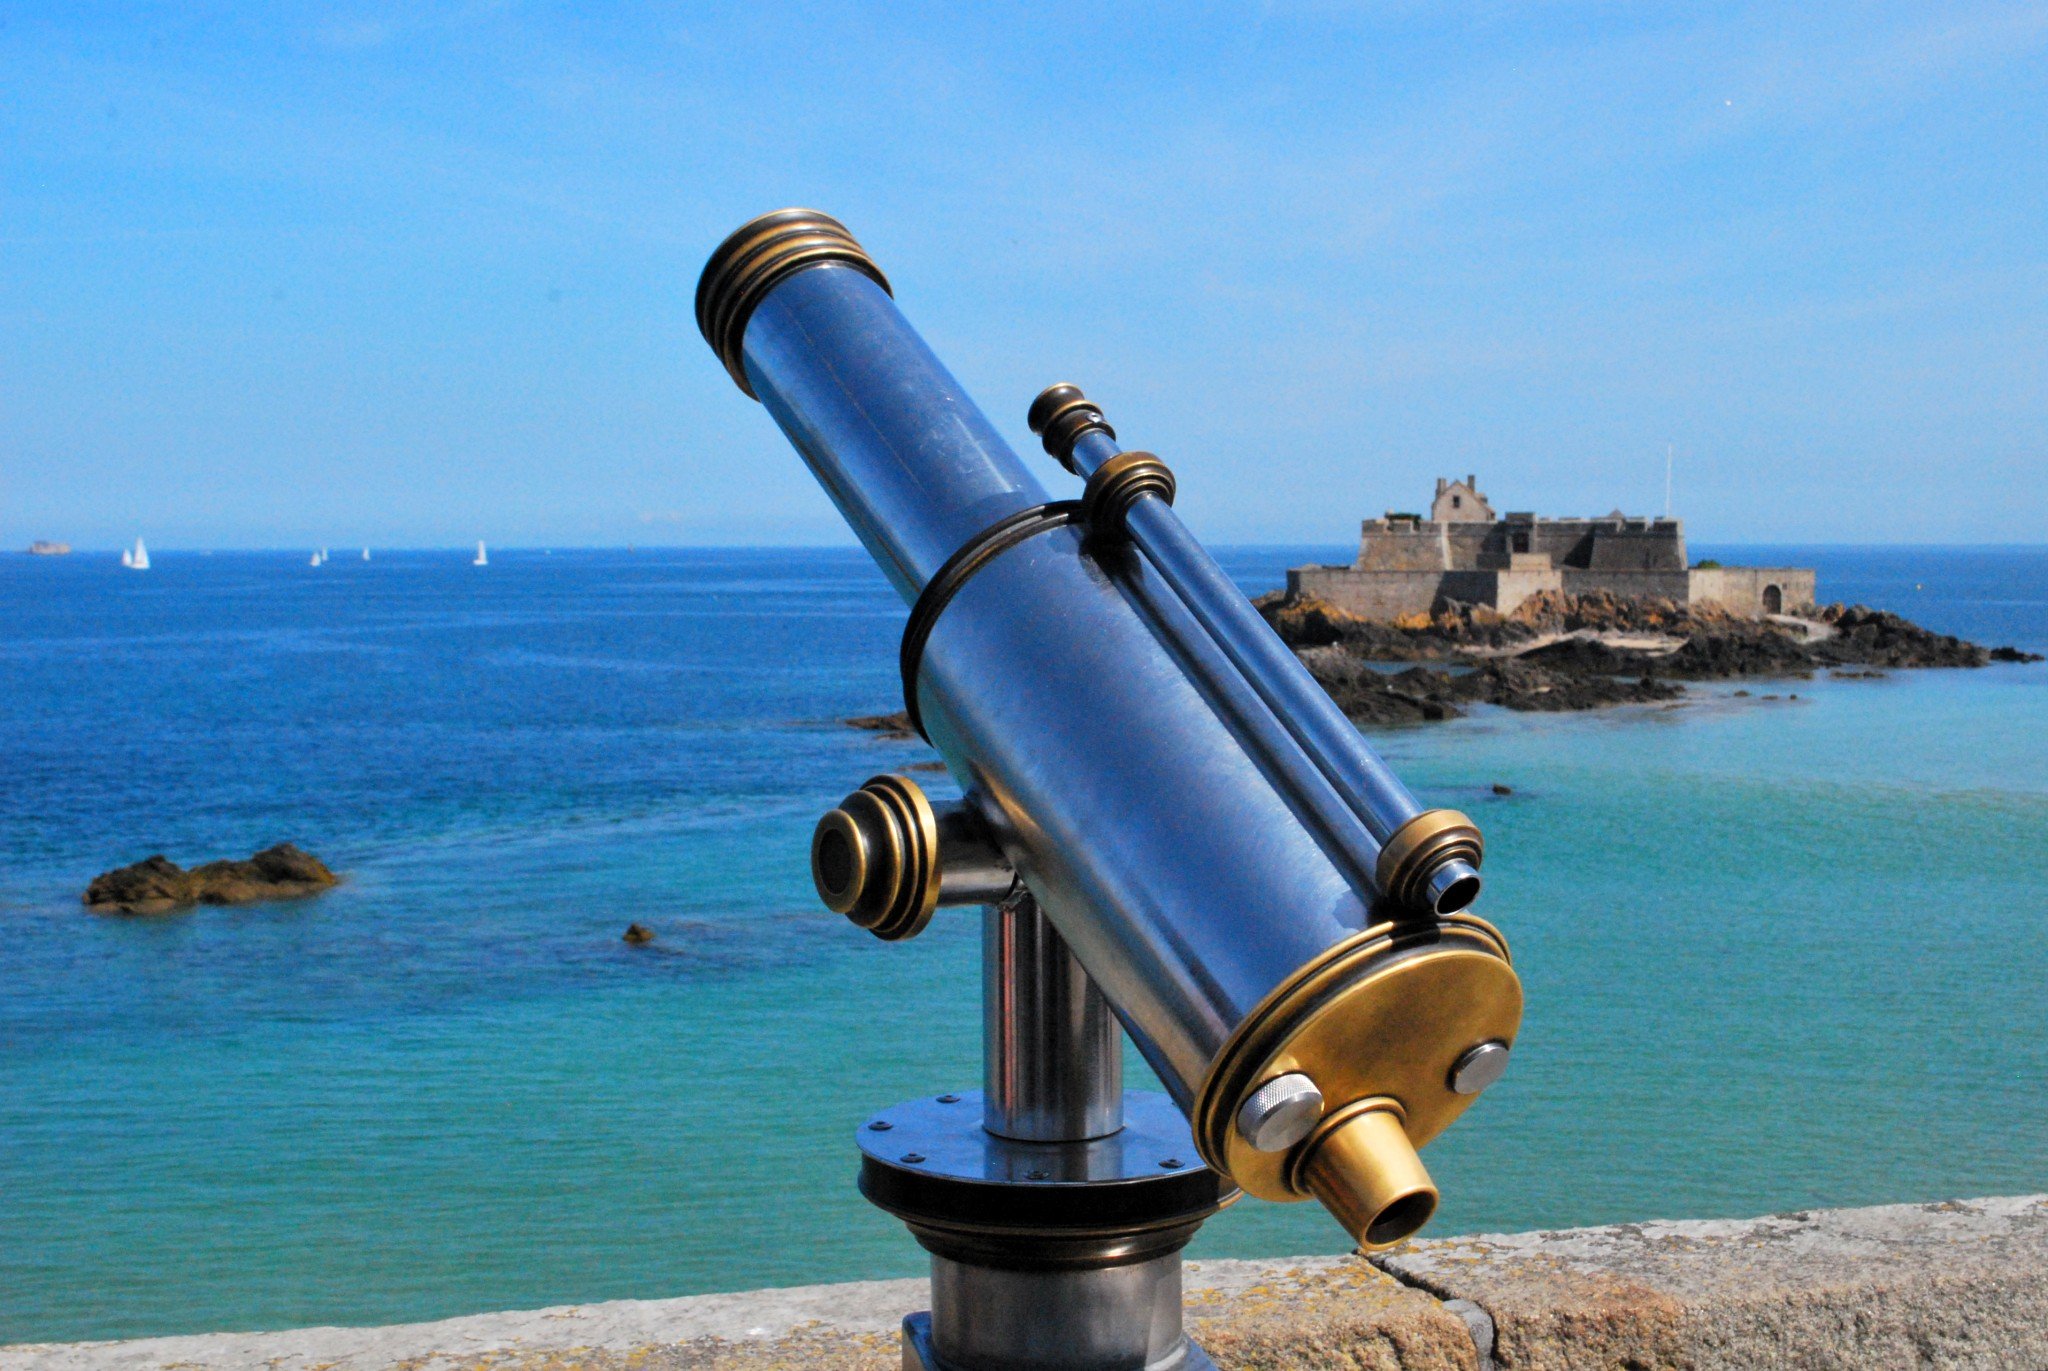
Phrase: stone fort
pixel 1465 552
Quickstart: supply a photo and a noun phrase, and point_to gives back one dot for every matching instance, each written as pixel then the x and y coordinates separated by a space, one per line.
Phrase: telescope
pixel 1170 828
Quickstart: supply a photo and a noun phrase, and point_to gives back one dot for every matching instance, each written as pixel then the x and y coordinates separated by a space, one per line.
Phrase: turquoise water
pixel 1778 954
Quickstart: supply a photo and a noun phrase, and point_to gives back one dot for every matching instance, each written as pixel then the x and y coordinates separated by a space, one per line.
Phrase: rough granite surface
pixel 1962 1283
pixel 1956 1284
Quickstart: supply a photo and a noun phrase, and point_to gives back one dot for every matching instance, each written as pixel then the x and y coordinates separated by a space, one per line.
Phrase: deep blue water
pixel 1778 954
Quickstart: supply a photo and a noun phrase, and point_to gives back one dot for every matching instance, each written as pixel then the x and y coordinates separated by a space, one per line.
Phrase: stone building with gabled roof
pixel 1464 552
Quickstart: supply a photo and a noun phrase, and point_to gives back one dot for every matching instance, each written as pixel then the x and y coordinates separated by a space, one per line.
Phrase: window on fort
pixel 1457 502
pixel 1522 542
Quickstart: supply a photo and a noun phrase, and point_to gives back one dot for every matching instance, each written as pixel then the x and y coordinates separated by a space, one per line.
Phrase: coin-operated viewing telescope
pixel 1170 827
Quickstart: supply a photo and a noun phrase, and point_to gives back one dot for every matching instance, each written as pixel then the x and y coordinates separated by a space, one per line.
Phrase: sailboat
pixel 366 554
pixel 137 559
pixel 480 559
pixel 319 559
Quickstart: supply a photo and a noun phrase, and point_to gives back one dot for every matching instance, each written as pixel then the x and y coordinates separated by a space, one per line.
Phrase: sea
pixel 1781 950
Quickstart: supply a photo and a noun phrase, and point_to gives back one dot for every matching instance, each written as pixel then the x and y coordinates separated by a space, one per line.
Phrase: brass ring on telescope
pixel 875 858
pixel 1387 1012
pixel 1420 846
pixel 1060 415
pixel 976 553
pixel 753 259
pixel 1118 484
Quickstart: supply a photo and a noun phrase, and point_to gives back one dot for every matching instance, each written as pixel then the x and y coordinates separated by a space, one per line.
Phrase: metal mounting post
pixel 1054 1204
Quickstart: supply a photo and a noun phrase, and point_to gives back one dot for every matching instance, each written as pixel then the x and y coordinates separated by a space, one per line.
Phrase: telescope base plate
pixel 1046 1256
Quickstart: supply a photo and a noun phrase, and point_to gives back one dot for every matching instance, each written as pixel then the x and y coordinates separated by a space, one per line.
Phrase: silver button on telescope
pixel 1168 819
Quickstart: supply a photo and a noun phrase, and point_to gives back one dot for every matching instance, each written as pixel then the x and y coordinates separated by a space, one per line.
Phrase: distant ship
pixel 480 559
pixel 366 554
pixel 137 558
pixel 319 558
pixel 46 549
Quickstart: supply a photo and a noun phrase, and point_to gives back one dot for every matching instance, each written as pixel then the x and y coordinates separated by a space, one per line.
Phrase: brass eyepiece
pixel 1397 1029
pixel 875 858
pixel 750 263
pixel 1361 1165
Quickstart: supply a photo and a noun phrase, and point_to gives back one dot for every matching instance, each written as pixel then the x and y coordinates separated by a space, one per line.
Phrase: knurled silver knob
pixel 1280 1113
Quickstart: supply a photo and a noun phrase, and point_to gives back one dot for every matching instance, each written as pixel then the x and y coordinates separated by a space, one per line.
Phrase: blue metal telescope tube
pixel 1176 872
pixel 1357 773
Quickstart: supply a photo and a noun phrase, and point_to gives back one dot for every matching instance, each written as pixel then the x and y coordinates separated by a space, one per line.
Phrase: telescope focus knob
pixel 887 857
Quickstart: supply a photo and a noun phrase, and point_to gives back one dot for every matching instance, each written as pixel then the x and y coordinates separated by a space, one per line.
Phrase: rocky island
pixel 157 885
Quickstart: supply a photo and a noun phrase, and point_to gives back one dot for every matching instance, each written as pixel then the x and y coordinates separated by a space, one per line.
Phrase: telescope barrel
pixel 1070 682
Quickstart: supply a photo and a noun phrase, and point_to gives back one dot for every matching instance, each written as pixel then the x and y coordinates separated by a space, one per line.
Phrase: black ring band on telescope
pixel 976 553
pixel 750 263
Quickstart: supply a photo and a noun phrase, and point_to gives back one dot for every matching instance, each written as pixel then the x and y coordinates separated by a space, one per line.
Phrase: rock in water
pixel 154 885
pixel 892 726
pixel 638 934
pixel 157 885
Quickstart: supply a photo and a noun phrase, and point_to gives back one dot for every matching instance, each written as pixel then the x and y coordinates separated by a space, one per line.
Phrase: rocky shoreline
pixel 1573 652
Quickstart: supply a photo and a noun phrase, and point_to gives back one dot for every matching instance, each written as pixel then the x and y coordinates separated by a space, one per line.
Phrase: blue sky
pixel 420 274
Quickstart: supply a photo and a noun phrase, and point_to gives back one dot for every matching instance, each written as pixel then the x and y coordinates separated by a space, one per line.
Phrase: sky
pixel 420 274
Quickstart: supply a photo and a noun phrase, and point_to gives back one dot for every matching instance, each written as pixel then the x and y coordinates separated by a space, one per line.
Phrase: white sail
pixel 366 554
pixel 138 559
pixel 481 559
pixel 316 560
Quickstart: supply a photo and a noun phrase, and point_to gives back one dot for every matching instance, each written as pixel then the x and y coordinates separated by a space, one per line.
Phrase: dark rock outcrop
pixel 157 885
pixel 1504 659
pixel 638 935
pixel 892 726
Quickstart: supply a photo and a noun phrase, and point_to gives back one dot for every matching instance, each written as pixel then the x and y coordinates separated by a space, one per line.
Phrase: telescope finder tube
pixel 1421 858
pixel 1231 946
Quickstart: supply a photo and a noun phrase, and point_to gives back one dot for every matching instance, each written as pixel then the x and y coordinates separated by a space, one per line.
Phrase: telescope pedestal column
pixel 1055 1205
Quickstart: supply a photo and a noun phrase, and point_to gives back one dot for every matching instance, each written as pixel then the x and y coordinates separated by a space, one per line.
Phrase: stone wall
pixel 1383 595
pixel 1744 589
pixel 1959 1284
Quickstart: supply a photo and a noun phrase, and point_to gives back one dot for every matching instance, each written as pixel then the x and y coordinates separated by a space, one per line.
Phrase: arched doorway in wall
pixel 1774 600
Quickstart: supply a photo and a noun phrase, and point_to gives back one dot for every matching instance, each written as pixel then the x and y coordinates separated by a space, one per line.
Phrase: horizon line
pixel 466 548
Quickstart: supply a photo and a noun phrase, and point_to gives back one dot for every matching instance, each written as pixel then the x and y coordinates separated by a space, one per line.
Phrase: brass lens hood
pixel 753 260
pixel 875 858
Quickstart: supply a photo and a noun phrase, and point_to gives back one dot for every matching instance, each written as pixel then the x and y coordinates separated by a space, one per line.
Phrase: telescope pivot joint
pixel 887 858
